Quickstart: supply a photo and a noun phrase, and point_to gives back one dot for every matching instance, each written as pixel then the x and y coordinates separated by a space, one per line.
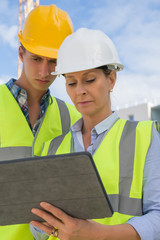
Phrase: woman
pixel 126 153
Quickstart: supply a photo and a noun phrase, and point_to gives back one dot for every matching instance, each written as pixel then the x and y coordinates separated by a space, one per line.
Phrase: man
pixel 28 114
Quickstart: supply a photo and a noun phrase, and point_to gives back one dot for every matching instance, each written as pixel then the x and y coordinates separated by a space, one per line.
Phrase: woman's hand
pixel 69 228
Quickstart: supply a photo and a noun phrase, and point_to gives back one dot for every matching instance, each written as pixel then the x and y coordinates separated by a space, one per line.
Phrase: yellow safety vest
pixel 120 160
pixel 18 141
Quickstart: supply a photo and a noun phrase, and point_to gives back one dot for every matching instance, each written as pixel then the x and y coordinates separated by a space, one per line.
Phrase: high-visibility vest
pixel 18 141
pixel 120 160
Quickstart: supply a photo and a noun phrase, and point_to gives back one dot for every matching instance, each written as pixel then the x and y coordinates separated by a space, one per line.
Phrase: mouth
pixel 42 81
pixel 84 103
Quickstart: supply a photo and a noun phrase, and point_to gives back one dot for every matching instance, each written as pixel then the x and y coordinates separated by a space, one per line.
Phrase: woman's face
pixel 89 90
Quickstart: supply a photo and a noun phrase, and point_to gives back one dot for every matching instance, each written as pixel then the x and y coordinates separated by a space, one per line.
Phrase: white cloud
pixel 4 79
pixel 3 6
pixel 134 28
pixel 9 35
pixel 109 18
pixel 140 54
pixel 8 23
pixel 1 82
pixel 9 12
pixel 131 88
pixel 58 89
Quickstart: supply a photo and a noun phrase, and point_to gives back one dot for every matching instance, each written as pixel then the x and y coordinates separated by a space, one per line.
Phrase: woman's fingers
pixel 43 226
pixel 58 213
pixel 68 227
pixel 49 218
pixel 52 215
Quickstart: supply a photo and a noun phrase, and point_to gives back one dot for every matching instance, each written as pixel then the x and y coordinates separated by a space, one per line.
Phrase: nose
pixel 81 89
pixel 44 69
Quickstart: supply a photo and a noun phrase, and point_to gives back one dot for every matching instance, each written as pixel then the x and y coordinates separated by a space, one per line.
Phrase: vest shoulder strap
pixel 65 122
pixel 54 144
pixel 65 116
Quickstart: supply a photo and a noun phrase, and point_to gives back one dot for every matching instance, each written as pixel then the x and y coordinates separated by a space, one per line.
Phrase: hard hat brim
pixel 113 67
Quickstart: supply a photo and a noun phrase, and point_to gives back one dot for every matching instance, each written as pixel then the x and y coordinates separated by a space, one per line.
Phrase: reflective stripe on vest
pixel 65 117
pixel 9 153
pixel 54 145
pixel 126 205
pixel 121 202
pixel 15 152
pixel 65 120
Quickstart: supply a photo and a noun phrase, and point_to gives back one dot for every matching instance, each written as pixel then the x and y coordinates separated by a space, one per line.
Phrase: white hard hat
pixel 86 49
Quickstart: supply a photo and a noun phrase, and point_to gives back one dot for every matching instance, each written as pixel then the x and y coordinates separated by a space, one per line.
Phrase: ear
pixel 112 79
pixel 21 53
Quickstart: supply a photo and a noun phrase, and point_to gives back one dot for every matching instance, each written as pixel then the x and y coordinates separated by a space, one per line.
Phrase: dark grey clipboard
pixel 69 181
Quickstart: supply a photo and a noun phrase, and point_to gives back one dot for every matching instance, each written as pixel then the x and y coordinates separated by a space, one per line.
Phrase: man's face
pixel 37 70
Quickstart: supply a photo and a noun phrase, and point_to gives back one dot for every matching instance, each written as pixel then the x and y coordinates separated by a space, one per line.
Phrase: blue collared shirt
pixel 148 225
pixel 97 133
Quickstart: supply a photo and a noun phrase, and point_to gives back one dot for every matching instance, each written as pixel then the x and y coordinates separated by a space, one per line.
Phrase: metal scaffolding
pixel 25 6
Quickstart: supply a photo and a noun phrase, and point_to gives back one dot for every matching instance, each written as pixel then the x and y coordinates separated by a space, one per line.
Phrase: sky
pixel 133 26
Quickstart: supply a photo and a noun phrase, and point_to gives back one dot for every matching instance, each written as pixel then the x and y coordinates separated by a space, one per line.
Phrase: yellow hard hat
pixel 44 30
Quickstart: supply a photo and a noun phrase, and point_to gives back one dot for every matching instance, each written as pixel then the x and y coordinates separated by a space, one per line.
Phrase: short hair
pixel 23 48
pixel 105 70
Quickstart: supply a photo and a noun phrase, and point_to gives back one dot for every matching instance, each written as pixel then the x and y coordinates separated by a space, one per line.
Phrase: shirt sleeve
pixel 37 233
pixel 148 225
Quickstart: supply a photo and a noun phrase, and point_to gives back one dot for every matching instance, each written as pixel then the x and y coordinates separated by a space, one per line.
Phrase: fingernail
pixel 33 210
pixel 44 204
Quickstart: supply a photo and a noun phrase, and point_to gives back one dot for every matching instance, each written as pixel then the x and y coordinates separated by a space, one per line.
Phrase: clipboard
pixel 69 181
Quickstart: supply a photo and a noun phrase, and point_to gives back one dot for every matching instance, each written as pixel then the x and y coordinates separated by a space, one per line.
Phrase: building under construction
pixel 25 6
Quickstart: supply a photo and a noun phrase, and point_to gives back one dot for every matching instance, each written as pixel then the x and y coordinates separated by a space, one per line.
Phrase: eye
pixel 36 59
pixel 91 80
pixel 71 83
pixel 53 61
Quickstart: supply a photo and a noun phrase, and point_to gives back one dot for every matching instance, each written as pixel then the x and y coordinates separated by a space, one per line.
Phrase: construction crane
pixel 25 6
